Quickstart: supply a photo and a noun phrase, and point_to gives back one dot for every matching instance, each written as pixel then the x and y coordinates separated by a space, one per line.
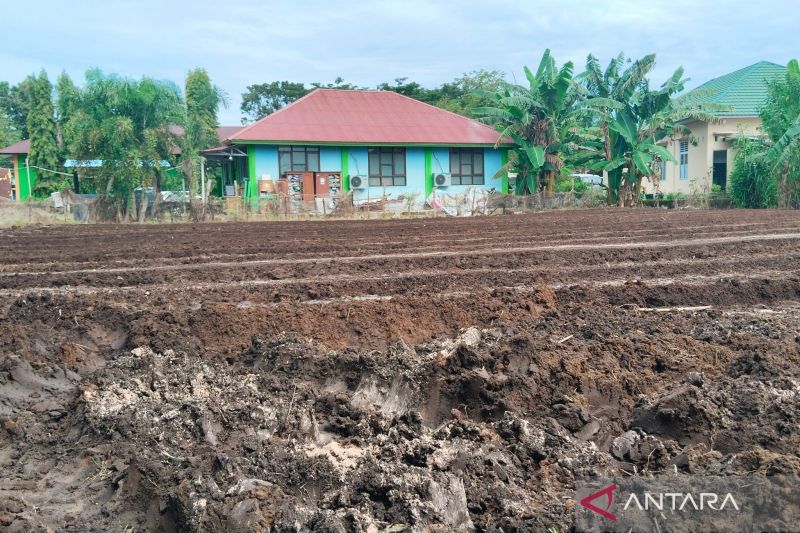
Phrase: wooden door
pixel 308 186
pixel 322 184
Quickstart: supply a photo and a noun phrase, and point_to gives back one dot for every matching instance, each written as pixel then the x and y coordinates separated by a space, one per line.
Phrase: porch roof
pixel 20 147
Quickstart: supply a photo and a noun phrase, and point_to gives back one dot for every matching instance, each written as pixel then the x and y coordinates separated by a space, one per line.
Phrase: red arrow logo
pixel 608 492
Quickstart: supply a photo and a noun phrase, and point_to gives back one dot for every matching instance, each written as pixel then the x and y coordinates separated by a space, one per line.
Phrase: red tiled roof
pixel 21 147
pixel 222 131
pixel 225 132
pixel 366 117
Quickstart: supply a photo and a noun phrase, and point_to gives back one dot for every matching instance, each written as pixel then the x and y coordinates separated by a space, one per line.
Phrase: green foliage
pixel 674 196
pixel 67 101
pixel 14 106
pixel 67 98
pixel 781 121
pixel 541 118
pixel 203 101
pixel 125 124
pixel 766 173
pixel 632 118
pixel 338 83
pixel 567 183
pixel 44 152
pixel 468 91
pixel 464 93
pixel 8 134
pixel 263 99
pixel 752 182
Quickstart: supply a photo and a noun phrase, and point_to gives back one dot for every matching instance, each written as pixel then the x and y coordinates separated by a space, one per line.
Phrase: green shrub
pixel 752 182
pixel 672 196
pixel 566 183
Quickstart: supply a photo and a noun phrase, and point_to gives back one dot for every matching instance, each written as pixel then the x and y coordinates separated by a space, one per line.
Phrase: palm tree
pixel 540 118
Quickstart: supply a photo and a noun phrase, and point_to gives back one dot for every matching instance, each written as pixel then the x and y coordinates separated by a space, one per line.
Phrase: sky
pixel 248 41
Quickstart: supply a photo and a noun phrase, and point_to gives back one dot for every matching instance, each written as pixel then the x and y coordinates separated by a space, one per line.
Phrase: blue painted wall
pixel 266 162
pixel 492 161
pixel 331 159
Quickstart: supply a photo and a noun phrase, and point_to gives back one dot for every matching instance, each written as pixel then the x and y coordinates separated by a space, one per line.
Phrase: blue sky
pixel 248 41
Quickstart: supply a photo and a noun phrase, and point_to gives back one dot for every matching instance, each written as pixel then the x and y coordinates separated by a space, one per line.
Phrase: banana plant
pixel 634 148
pixel 782 121
pixel 634 118
pixel 540 118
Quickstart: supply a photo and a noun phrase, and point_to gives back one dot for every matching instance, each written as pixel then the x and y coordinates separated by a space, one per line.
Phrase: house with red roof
pixel 377 144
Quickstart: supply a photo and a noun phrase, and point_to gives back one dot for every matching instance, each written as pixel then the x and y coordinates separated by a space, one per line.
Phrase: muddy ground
pixel 428 375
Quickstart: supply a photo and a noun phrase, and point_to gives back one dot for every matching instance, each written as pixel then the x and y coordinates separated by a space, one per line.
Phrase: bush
pixel 566 184
pixel 752 183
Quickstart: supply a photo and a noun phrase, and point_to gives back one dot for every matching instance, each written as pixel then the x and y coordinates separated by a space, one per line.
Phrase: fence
pixel 473 202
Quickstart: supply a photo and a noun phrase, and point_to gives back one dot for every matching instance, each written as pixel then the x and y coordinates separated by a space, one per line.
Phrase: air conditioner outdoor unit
pixel 358 182
pixel 442 179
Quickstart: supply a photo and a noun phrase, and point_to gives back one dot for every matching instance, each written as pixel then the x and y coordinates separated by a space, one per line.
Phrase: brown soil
pixel 367 376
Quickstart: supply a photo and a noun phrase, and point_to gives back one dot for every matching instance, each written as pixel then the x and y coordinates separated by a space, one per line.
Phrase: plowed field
pixel 365 375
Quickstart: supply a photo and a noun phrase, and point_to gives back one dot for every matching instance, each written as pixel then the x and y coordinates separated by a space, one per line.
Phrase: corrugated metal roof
pixel 744 90
pixel 366 117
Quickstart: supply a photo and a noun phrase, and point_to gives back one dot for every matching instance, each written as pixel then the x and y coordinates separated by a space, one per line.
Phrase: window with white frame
pixel 684 160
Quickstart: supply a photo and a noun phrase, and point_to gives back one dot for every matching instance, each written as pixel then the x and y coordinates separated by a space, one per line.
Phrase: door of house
pixel 719 174
pixel 322 185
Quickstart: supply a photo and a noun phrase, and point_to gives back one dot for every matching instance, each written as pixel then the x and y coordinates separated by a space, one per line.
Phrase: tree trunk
pixel 156 195
pixel 143 206
pixel 607 148
pixel 637 191
pixel 130 206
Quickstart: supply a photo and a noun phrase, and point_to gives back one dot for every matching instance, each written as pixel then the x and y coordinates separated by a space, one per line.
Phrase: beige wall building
pixel 705 157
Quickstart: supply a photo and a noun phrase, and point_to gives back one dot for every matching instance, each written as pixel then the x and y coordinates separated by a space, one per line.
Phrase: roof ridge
pixel 739 72
pixel 741 89
pixel 351 90
pixel 367 116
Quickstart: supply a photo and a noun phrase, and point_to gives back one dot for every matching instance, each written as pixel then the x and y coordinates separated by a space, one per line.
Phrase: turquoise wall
pixel 266 162
pixel 330 158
